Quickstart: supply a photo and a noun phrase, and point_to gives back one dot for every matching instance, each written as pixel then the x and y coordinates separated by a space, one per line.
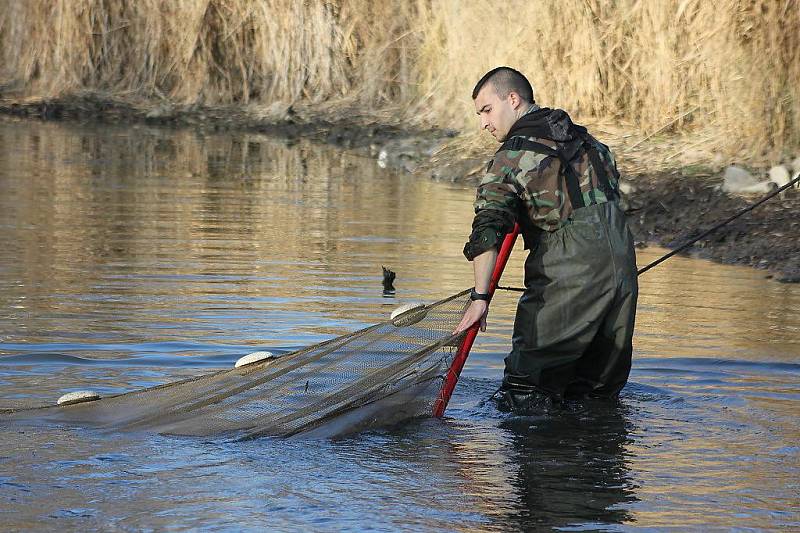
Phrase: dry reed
pixel 726 71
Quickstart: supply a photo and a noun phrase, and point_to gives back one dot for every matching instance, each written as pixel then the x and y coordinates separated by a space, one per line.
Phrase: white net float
pixel 408 314
pixel 78 397
pixel 254 357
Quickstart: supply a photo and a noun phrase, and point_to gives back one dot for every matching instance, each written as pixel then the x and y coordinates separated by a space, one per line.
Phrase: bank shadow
pixel 571 468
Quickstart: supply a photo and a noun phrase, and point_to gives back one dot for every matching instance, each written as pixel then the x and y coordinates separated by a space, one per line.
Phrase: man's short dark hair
pixel 504 80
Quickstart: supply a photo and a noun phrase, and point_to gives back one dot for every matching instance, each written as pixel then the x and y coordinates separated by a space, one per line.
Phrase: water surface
pixel 132 256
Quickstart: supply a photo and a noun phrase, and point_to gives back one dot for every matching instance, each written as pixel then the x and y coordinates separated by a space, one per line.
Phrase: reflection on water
pixel 590 455
pixel 132 256
pixel 162 217
pixel 553 470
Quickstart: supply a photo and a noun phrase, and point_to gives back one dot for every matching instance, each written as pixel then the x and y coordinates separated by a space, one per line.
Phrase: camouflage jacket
pixel 531 187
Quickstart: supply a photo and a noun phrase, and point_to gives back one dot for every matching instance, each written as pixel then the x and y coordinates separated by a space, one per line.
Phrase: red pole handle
pixel 451 378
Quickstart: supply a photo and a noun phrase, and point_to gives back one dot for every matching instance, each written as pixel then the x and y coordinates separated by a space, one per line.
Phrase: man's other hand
pixel 475 312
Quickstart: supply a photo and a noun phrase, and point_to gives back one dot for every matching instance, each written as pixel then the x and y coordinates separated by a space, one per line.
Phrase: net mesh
pixel 379 375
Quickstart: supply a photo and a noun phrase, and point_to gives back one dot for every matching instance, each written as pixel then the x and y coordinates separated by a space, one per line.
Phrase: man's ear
pixel 514 99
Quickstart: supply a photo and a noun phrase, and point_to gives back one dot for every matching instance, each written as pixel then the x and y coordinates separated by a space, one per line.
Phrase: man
pixel 574 324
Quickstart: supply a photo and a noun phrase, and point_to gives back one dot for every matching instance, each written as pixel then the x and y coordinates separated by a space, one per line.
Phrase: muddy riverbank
pixel 340 127
pixel 667 208
pixel 672 208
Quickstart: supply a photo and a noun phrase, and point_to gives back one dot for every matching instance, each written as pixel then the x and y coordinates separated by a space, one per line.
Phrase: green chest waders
pixel 574 323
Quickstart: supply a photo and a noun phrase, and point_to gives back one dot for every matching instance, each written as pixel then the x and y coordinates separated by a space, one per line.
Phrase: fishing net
pixel 379 375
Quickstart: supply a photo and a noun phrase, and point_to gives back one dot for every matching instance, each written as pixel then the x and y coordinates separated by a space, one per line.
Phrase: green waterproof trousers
pixel 574 325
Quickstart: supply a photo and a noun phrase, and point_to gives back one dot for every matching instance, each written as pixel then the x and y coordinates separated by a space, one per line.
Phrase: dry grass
pixel 723 72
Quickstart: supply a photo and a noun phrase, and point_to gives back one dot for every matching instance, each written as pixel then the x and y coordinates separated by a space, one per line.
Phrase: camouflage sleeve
pixel 496 205
pixel 544 190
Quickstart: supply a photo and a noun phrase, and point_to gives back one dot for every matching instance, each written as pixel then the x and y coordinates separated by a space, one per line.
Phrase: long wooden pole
pixel 451 378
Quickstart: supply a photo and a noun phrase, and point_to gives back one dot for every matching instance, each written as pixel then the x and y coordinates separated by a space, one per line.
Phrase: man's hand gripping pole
pixel 451 378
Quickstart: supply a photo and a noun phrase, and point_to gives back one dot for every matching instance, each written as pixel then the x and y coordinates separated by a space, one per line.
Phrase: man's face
pixel 497 114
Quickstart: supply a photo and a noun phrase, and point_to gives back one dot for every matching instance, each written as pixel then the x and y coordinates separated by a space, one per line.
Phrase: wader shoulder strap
pixel 570 175
pixel 600 168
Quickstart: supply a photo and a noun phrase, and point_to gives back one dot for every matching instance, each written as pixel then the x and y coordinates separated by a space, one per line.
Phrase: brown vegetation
pixel 725 72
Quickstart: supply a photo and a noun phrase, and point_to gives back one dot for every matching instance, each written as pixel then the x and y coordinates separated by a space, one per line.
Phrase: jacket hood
pixel 552 124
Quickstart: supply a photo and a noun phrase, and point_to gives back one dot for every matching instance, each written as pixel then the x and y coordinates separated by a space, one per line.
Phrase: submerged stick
pixel 451 378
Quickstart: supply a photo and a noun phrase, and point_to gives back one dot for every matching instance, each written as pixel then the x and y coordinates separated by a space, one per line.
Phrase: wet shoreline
pixel 666 208
pixel 672 208
pixel 284 121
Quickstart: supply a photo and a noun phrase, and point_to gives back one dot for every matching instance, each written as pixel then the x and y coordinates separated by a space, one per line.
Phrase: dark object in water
pixel 388 279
